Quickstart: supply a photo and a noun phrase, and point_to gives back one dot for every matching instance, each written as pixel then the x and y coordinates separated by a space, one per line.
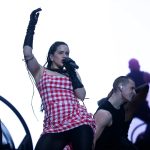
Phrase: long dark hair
pixel 52 50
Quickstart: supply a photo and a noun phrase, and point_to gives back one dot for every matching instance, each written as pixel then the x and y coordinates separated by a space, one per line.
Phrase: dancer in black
pixel 110 115
pixel 139 108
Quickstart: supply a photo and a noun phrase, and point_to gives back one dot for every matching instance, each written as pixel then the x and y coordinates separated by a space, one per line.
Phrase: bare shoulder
pixel 103 116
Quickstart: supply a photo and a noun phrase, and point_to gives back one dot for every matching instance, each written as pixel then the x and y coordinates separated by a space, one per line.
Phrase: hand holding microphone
pixel 70 66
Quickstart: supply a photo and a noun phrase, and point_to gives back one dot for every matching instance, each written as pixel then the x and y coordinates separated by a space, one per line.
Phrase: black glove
pixel 70 66
pixel 31 27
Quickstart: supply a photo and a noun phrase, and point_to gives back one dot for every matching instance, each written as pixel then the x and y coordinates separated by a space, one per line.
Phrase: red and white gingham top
pixel 62 110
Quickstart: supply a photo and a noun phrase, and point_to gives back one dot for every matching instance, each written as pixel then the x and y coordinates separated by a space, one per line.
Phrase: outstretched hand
pixel 31 27
pixel 34 16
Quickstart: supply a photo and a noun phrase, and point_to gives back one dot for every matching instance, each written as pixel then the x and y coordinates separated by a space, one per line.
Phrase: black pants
pixel 81 138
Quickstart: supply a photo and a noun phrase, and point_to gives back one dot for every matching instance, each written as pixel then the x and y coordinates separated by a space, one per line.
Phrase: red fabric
pixel 62 109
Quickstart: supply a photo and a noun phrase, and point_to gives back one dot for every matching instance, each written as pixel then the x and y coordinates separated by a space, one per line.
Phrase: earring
pixel 121 87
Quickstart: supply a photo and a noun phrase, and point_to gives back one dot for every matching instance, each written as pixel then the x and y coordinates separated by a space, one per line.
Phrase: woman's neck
pixel 60 70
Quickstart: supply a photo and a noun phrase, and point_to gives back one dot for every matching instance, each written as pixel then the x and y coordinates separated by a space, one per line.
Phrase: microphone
pixel 74 65
pixel 70 62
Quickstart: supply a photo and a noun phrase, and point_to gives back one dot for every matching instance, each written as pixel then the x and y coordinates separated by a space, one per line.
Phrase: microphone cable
pixel 33 84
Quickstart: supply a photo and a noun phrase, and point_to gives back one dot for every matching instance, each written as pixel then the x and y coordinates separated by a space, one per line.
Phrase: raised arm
pixel 30 60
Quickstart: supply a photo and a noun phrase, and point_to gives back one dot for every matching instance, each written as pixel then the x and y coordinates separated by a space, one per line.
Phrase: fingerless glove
pixel 70 67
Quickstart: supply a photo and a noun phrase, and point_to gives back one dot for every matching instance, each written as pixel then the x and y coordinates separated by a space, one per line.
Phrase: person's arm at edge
pixel 103 119
pixel 32 64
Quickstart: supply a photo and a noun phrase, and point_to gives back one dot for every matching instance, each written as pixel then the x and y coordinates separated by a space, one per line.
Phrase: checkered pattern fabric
pixel 62 109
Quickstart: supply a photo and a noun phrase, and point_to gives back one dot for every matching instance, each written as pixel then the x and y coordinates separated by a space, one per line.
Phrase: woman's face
pixel 58 56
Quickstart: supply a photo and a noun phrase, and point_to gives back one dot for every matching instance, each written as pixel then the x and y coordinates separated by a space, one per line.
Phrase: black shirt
pixel 110 139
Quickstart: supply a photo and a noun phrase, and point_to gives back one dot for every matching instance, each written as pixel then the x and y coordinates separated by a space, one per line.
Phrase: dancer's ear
pixel 120 88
